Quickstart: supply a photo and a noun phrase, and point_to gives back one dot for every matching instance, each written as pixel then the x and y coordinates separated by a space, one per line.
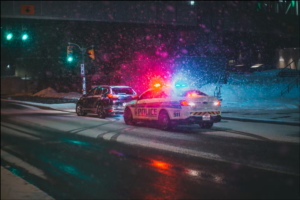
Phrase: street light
pixel 192 3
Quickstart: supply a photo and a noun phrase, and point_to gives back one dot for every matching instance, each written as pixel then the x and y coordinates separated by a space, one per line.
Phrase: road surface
pixel 90 158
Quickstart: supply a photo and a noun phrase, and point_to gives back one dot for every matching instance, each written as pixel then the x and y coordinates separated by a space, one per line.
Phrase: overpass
pixel 156 12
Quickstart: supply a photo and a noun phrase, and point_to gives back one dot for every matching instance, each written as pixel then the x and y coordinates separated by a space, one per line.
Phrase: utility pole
pixel 83 51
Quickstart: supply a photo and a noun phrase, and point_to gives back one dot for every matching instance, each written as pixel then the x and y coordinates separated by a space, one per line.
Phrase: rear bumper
pixel 117 109
pixel 197 120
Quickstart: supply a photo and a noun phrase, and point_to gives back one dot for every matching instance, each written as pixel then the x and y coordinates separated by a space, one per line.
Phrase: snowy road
pixel 87 156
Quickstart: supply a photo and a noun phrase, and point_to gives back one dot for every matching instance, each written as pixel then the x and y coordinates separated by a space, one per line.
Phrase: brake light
pixel 217 103
pixel 184 103
pixel 112 96
pixel 192 95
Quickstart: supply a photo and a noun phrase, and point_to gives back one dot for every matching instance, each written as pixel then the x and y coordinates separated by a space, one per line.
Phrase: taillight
pixel 135 96
pixel 184 103
pixel 217 103
pixel 112 96
pixel 192 95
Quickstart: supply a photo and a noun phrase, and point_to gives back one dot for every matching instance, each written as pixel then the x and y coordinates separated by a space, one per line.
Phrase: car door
pixel 140 111
pixel 97 96
pixel 89 100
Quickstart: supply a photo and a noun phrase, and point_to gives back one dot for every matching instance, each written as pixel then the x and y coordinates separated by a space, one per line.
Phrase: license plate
pixel 206 117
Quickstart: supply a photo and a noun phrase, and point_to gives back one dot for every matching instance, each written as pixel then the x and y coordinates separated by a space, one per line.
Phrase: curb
pixel 58 100
pixel 44 99
pixel 14 187
pixel 262 121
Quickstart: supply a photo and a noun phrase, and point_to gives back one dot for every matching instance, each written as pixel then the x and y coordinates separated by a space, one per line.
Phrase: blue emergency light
pixel 180 84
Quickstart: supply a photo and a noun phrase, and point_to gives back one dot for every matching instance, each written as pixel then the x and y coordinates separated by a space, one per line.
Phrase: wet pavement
pixel 89 158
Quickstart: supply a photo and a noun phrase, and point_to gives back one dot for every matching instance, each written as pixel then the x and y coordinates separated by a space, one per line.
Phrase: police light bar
pixel 180 85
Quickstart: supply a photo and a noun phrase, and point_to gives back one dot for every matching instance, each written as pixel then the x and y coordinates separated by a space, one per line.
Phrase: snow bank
pixel 49 92
pixel 257 96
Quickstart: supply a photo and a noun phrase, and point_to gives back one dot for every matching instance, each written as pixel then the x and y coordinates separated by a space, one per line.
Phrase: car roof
pixel 175 91
pixel 112 86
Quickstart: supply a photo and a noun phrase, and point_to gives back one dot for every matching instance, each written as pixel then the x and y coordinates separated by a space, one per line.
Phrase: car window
pixel 192 93
pixel 147 95
pixel 128 91
pixel 98 91
pixel 105 90
pixel 91 93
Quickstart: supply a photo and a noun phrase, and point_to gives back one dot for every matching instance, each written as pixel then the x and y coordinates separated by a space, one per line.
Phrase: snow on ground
pixel 49 92
pixel 263 95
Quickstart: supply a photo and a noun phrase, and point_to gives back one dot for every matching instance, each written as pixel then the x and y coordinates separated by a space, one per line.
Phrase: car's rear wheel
pixel 128 118
pixel 164 120
pixel 100 111
pixel 207 125
pixel 79 110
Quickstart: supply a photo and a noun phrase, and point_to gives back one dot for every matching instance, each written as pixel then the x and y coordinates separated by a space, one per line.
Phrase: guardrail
pixel 290 86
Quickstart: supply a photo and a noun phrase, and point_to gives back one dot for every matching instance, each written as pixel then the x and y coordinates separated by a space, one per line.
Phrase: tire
pixel 164 120
pixel 100 111
pixel 206 125
pixel 79 110
pixel 128 118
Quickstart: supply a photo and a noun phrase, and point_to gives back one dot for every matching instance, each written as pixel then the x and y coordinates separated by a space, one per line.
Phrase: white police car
pixel 169 106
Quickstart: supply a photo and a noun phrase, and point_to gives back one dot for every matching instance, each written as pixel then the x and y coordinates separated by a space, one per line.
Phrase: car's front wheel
pixel 101 112
pixel 207 125
pixel 79 110
pixel 128 118
pixel 164 121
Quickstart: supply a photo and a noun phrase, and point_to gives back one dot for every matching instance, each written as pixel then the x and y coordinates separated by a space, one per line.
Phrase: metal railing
pixel 285 69
pixel 290 86
pixel 218 88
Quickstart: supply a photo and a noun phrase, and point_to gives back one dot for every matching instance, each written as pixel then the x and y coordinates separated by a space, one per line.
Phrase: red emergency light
pixel 157 85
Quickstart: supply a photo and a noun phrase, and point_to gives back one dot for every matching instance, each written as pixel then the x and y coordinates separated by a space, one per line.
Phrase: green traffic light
pixel 24 37
pixel 9 36
pixel 70 59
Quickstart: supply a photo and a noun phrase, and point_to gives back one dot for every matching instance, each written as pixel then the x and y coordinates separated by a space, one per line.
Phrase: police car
pixel 169 106
pixel 105 100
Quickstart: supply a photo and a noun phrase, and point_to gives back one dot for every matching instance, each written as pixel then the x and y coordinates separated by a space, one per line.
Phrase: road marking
pixel 24 165
pixel 17 133
pixel 108 136
pixel 21 129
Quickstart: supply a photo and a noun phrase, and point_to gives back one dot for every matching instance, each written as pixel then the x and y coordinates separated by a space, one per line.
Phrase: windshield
pixel 125 91
pixel 191 93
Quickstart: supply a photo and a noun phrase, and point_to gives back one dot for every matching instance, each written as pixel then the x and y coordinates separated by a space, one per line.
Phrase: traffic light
pixel 24 37
pixel 24 34
pixel 9 36
pixel 69 53
pixel 91 54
